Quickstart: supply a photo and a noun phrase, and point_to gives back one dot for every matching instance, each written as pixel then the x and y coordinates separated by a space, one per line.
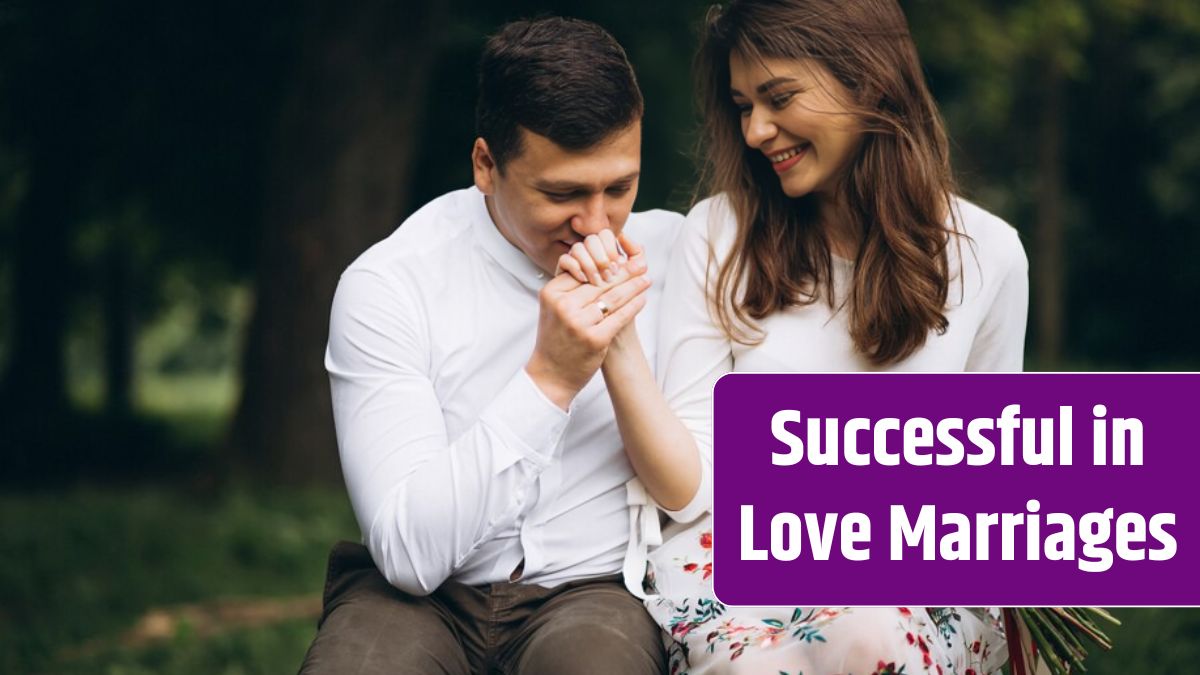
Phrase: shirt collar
pixel 509 257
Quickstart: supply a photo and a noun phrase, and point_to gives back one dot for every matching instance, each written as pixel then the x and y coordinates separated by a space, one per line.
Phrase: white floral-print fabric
pixel 705 637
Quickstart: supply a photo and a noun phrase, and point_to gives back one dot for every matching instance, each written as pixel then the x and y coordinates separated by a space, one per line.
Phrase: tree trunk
pixel 341 166
pixel 119 327
pixel 33 395
pixel 35 377
pixel 1049 262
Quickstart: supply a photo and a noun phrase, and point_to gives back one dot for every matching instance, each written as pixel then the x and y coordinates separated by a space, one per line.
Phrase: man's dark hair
pixel 565 79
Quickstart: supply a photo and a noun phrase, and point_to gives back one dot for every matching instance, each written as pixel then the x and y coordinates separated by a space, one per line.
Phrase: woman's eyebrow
pixel 772 83
pixel 765 86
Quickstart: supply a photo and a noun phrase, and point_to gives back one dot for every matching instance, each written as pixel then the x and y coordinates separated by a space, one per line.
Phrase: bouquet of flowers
pixel 1053 636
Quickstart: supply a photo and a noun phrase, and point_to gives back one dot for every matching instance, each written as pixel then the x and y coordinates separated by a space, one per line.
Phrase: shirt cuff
pixel 530 424
pixel 701 502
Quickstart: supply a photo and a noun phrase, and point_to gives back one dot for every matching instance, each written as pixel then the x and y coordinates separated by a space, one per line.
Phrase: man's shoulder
pixel 410 263
pixel 439 224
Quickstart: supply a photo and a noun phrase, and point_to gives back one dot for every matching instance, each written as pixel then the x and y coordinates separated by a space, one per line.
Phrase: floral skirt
pixel 704 637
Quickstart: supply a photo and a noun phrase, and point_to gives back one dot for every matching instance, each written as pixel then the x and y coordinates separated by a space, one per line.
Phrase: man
pixel 479 448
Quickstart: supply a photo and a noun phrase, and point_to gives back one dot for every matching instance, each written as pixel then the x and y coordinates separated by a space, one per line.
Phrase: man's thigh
pixel 590 627
pixel 369 627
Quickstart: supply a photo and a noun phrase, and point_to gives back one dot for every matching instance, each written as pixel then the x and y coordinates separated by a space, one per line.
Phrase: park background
pixel 182 182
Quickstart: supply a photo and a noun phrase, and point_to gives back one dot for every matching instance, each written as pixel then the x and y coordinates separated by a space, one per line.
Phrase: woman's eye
pixel 780 100
pixel 743 108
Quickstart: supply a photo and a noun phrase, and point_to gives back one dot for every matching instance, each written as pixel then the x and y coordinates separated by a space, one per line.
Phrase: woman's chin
pixel 795 191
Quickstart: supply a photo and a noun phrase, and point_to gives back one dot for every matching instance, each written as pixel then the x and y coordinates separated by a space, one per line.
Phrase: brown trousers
pixel 369 627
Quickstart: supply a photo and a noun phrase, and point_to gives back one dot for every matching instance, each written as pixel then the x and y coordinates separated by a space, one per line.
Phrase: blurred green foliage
pixel 1151 641
pixel 268 650
pixel 87 563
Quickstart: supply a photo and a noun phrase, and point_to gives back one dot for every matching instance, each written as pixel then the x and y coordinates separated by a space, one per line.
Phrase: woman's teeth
pixel 786 154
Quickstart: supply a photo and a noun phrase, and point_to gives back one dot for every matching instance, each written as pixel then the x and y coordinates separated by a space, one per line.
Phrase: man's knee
pixel 370 627
pixel 600 631
pixel 370 638
pixel 592 650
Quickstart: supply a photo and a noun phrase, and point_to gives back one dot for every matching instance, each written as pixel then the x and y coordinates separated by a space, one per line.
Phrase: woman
pixel 836 242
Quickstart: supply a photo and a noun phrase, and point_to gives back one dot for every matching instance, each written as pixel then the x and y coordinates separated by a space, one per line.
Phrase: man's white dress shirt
pixel 458 467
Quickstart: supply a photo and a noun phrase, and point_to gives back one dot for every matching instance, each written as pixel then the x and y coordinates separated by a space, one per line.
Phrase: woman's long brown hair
pixel 899 187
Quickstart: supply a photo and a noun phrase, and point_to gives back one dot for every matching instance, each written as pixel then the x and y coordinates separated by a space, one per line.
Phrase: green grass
pixel 82 566
pixel 260 651
pixel 1151 641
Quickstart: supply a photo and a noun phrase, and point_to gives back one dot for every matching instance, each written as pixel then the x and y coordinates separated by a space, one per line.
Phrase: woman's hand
pixel 662 451
pixel 603 259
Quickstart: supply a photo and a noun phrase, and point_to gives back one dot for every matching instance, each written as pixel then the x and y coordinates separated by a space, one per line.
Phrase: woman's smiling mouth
pixel 782 161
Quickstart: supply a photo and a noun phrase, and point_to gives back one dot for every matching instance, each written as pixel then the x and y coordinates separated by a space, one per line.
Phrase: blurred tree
pixel 46 96
pixel 1034 91
pixel 342 159
pixel 136 126
pixel 47 133
pixel 996 47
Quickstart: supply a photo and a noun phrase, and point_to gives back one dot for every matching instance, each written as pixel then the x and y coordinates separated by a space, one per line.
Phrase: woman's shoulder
pixel 712 221
pixel 989 236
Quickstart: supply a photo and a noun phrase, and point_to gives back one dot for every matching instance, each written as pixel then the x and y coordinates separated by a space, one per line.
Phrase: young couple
pixel 510 500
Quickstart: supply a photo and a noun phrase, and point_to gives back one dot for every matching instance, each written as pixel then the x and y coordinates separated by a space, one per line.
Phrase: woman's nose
pixel 758 128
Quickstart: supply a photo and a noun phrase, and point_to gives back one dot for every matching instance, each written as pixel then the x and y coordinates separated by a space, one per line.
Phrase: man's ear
pixel 484 167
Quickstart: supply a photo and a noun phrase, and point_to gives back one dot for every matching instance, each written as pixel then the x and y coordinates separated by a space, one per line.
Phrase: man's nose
pixel 593 218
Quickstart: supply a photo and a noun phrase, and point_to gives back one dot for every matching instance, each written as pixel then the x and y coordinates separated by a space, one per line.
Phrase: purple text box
pixel 1166 482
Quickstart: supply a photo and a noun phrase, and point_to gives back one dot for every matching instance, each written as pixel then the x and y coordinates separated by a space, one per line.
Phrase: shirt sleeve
pixel 424 501
pixel 999 345
pixel 693 350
